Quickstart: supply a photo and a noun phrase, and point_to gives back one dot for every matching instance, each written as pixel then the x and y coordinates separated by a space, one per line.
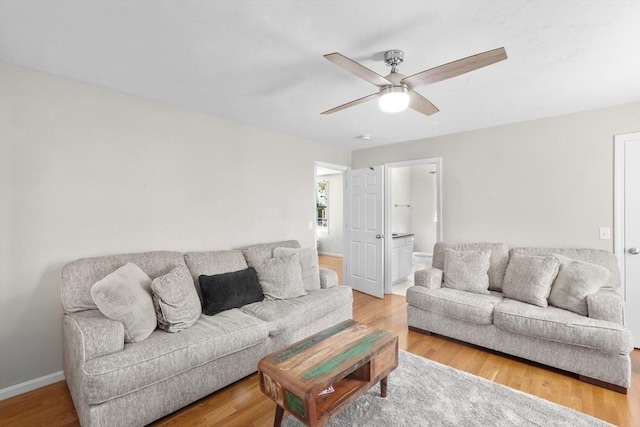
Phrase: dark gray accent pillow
pixel 225 291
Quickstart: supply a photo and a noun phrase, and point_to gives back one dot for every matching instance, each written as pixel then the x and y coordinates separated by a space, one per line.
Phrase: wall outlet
pixel 605 233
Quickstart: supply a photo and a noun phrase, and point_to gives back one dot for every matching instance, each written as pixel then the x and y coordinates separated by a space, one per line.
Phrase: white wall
pixel 330 241
pixel 87 171
pixel 546 182
pixel 400 195
pixel 423 205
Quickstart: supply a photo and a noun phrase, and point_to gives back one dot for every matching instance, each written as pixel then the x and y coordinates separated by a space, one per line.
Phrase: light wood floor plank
pixel 242 404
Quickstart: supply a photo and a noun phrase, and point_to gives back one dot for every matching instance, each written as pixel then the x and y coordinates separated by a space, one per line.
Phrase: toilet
pixel 421 260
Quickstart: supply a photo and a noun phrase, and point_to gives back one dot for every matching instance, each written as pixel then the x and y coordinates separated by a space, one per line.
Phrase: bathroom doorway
pixel 413 212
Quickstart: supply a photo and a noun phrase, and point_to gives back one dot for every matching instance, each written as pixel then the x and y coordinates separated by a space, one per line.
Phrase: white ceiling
pixel 260 62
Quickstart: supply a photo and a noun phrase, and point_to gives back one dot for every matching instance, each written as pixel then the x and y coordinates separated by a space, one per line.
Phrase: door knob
pixel 379 236
pixel 634 251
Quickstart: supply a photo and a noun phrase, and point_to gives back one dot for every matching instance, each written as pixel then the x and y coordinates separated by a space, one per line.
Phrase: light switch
pixel 605 233
pixel 310 225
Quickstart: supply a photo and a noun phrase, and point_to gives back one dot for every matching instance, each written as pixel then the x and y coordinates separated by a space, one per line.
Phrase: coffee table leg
pixel 279 413
pixel 383 387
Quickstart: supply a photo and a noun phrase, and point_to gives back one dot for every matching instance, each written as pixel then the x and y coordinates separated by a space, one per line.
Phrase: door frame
pixel 388 284
pixel 618 203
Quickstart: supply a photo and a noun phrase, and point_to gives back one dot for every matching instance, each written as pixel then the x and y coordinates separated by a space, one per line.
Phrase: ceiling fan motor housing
pixel 393 58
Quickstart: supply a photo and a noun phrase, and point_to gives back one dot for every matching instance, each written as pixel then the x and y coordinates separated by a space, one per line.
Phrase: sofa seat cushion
pixel 165 354
pixel 461 305
pixel 295 313
pixel 560 325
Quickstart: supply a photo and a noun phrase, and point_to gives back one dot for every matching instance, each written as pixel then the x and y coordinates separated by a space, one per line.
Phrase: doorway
pixel 413 219
pixel 627 225
pixel 328 225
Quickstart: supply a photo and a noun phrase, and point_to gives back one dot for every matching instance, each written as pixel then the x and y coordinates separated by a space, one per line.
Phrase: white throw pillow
pixel 281 278
pixel 176 300
pixel 308 262
pixel 125 296
pixel 467 270
pixel 529 278
pixel 576 280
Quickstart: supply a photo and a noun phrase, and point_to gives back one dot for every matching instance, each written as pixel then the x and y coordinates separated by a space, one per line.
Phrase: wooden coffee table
pixel 349 356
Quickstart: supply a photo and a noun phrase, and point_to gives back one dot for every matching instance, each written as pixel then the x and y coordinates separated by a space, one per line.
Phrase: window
pixel 322 204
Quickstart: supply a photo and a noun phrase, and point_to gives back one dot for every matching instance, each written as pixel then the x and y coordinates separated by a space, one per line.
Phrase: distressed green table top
pixel 319 358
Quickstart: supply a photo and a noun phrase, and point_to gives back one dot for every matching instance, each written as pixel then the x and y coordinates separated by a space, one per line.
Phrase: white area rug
pixel 422 393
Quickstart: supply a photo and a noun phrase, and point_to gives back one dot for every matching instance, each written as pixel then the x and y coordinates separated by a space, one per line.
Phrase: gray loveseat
pixel 133 384
pixel 596 346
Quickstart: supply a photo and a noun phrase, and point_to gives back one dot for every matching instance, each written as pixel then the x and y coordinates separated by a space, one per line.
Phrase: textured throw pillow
pixel 125 296
pixel 176 300
pixel 225 291
pixel 466 270
pixel 576 280
pixel 529 278
pixel 308 262
pixel 281 278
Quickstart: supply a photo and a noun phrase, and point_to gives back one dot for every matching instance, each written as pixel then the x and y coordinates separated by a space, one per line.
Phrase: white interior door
pixel 628 226
pixel 364 234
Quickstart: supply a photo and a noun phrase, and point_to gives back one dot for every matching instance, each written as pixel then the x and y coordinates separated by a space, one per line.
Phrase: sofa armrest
pixel 606 304
pixel 328 278
pixel 93 334
pixel 430 278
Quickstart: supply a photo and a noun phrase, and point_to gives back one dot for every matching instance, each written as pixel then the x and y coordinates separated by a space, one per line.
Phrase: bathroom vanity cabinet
pixel 401 256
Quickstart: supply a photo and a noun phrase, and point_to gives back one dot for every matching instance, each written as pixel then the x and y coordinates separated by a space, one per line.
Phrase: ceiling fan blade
pixel 352 103
pixel 359 70
pixel 456 68
pixel 421 104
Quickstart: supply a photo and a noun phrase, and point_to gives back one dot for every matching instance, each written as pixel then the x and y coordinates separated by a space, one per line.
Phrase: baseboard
pixel 330 254
pixel 33 384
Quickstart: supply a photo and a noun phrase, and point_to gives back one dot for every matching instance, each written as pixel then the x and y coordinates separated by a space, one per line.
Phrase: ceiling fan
pixel 397 91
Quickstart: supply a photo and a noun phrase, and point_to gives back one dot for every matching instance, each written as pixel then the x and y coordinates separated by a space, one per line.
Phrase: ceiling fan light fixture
pixel 394 99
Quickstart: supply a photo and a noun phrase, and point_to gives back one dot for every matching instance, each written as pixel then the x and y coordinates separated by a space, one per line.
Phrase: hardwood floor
pixel 242 404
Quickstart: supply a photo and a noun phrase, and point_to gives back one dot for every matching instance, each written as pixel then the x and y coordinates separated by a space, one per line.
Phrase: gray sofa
pixel 597 347
pixel 133 384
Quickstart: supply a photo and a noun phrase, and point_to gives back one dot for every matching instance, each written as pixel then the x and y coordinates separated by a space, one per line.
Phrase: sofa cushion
pixel 210 263
pixel 529 278
pixel 466 270
pixel 125 296
pixel 79 276
pixel 498 260
pixel 175 300
pixel 163 354
pixel 556 324
pixel 601 257
pixel 281 278
pixel 308 262
pixel 461 305
pixel 256 253
pixel 225 291
pixel 576 280
pixel 292 314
